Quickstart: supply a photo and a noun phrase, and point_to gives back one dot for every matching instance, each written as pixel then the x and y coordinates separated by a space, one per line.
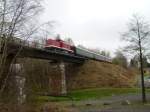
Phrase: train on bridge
pixel 60 45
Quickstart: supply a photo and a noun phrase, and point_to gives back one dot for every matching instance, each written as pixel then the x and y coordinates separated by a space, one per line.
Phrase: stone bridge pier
pixel 12 80
pixel 57 79
pixel 5 68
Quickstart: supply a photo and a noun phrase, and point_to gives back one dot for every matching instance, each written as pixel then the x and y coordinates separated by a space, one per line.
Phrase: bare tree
pixel 17 19
pixel 69 41
pixel 137 37
pixel 44 32
pixel 120 59
pixel 105 53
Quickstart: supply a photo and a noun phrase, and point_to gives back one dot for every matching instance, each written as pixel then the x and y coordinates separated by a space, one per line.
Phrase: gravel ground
pixel 116 104
pixel 121 109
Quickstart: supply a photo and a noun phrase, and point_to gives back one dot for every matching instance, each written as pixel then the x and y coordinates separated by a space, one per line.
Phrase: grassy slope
pixel 93 74
pixel 97 75
pixel 96 93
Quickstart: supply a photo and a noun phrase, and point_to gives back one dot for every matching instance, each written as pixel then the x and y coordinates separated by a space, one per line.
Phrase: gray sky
pixel 94 23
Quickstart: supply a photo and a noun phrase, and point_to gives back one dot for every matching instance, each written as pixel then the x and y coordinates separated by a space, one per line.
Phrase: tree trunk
pixel 142 74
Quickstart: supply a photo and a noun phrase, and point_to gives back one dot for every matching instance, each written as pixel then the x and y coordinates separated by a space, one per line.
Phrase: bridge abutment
pixel 5 68
pixel 12 81
pixel 58 79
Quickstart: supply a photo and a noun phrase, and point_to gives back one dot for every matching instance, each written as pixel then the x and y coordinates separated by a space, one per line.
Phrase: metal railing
pixel 28 43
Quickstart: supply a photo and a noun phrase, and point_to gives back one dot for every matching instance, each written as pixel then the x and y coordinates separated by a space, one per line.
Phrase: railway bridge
pixel 21 49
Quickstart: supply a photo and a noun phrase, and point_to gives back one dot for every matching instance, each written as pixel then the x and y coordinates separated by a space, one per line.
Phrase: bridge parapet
pixel 22 42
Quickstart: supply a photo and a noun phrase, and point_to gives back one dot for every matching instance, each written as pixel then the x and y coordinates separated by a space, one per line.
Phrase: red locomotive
pixel 59 44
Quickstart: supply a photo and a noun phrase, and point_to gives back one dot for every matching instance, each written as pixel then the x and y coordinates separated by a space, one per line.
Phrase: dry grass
pixel 55 107
pixel 98 74
pixel 48 107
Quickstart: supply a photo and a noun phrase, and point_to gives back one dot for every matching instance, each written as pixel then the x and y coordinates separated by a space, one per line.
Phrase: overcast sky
pixel 94 23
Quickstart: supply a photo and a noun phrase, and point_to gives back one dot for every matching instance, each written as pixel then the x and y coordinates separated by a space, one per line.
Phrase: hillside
pixel 91 74
pixel 99 74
